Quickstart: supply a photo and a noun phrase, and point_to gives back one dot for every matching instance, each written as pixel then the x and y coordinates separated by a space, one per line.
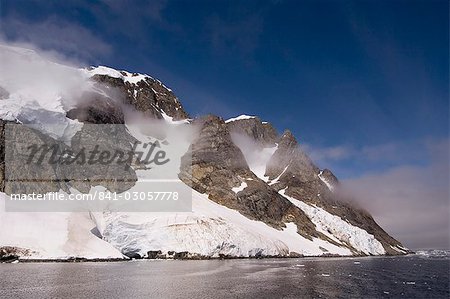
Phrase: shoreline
pixel 112 260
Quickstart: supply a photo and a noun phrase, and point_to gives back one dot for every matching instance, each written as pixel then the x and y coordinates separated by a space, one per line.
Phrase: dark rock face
pixel 181 255
pixel 154 254
pixel 148 96
pixel 217 166
pixel 132 255
pixel 261 132
pixel 97 109
pixel 10 253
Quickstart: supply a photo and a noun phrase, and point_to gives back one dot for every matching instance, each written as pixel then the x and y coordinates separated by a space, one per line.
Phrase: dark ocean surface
pixel 424 275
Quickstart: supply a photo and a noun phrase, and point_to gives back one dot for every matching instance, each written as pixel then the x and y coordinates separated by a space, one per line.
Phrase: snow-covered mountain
pixel 254 191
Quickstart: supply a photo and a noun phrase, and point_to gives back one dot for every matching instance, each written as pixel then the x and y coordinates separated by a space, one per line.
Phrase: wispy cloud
pixel 411 202
pixel 393 153
pixel 58 35
pixel 323 155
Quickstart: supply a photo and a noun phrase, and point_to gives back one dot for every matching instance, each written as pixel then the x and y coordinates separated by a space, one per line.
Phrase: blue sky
pixel 342 76
pixel 363 84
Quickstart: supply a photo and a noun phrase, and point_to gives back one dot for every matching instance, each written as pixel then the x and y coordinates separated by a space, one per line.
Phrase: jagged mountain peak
pixel 288 140
pixel 254 128
pixel 143 92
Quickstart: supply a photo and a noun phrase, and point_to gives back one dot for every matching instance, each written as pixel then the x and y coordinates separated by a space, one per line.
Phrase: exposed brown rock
pixel 215 165
pixel 148 96
pixel 261 132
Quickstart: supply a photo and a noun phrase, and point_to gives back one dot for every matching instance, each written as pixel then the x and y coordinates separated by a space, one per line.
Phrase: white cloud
pixel 410 202
pixel 404 185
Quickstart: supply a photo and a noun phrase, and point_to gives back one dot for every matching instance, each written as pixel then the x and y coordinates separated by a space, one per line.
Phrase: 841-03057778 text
pixel 139 195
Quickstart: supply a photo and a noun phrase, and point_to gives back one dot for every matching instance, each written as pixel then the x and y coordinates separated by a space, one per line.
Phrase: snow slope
pixel 53 235
pixel 338 229
pixel 210 230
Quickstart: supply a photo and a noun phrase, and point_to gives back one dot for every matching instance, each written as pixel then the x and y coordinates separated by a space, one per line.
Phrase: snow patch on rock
pixel 125 76
pixel 132 78
pixel 275 180
pixel 169 119
pixel 240 188
pixel 240 117
pixel 330 186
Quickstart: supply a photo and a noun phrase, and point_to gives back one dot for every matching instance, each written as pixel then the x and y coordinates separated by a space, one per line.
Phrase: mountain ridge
pixel 241 165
